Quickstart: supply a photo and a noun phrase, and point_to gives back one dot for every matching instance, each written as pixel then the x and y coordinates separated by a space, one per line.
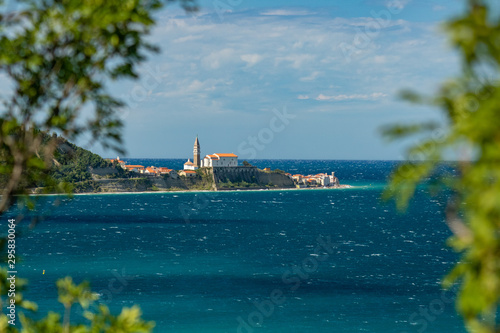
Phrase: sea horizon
pixel 147 184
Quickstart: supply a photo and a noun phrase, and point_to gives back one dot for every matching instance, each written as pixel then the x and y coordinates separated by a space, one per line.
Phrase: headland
pixel 90 173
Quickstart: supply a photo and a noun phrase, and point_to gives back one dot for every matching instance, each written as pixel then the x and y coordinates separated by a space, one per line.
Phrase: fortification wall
pixel 249 177
pixel 209 179
pixel 276 179
pixel 236 174
pixel 158 183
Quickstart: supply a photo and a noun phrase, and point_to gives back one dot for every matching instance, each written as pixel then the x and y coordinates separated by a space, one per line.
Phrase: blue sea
pixel 325 260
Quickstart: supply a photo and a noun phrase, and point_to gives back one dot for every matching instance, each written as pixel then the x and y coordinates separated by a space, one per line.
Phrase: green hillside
pixel 72 165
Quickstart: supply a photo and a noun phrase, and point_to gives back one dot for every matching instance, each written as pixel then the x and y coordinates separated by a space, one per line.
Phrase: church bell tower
pixel 196 153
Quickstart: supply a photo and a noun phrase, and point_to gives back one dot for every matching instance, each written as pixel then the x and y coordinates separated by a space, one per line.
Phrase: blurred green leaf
pixel 470 103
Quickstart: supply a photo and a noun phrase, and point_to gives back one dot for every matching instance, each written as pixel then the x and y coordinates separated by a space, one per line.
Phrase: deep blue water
pixel 211 262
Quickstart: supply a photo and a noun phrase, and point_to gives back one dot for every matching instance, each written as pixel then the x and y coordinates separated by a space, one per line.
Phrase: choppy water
pixel 212 262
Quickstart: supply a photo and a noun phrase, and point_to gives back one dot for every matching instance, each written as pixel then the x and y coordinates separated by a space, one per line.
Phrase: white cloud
pixel 285 12
pixel 373 96
pixel 216 58
pixel 311 77
pixel 382 60
pixel 187 38
pixel 397 4
pixel 251 59
pixel 371 23
pixel 297 60
pixel 270 57
pixel 190 87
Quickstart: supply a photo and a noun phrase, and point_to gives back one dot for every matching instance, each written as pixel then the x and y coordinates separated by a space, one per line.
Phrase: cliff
pixel 202 181
pixel 87 172
pixel 248 177
pixel 70 164
pixel 208 179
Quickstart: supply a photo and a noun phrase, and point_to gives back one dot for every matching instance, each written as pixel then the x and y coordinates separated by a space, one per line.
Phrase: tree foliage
pixel 471 106
pixel 58 57
pixel 99 320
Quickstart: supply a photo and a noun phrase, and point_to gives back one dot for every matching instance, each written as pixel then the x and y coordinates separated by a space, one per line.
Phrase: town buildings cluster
pixel 223 160
pixel 209 161
pixel 320 179
pixel 213 160
pixel 151 170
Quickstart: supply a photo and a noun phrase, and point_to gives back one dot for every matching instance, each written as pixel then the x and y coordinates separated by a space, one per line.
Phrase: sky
pixel 286 79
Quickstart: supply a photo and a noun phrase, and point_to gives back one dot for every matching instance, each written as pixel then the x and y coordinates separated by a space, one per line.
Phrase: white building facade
pixel 190 166
pixel 220 160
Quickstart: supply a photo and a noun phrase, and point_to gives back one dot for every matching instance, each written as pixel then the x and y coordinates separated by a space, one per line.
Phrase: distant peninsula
pixel 87 172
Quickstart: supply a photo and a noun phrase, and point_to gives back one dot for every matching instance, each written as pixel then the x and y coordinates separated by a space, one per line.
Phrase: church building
pixel 196 157
pixel 214 160
pixel 220 160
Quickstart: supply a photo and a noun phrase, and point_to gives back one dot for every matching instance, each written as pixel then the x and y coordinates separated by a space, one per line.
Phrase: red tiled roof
pixel 134 166
pixel 212 157
pixel 226 155
pixel 189 171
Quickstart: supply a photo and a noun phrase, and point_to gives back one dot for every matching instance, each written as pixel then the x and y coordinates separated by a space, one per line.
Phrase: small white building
pixel 334 180
pixel 187 173
pixel 323 179
pixel 190 165
pixel 210 161
pixel 220 160
pixel 167 171
pixel 151 170
pixel 119 162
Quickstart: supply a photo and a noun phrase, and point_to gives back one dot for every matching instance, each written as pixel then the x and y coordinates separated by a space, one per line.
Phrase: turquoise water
pixel 258 261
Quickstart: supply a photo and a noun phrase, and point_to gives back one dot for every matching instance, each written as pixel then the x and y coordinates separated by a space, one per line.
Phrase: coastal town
pixel 224 160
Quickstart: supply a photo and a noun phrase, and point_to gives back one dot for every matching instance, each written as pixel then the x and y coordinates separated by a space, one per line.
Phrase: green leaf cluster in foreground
pixel 97 317
pixel 471 135
pixel 58 57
